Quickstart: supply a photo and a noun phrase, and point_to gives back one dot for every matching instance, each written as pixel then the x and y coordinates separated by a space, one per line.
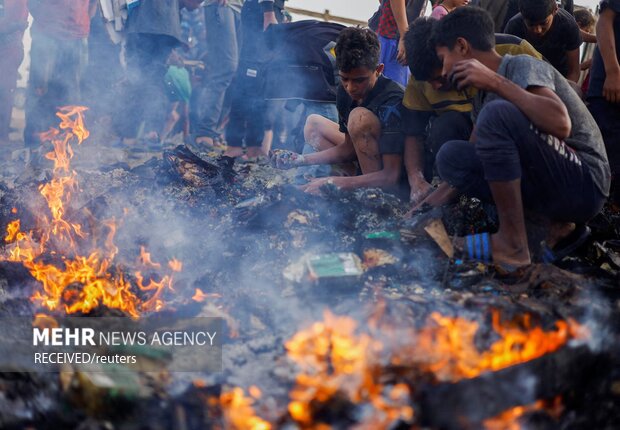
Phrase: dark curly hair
pixel 470 23
pixel 357 47
pixel 536 10
pixel 420 49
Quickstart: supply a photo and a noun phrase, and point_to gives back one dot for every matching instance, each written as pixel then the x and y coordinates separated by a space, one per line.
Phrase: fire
pixel 77 272
pixel 336 361
pixel 200 296
pixel 446 346
pixel 239 412
pixel 509 419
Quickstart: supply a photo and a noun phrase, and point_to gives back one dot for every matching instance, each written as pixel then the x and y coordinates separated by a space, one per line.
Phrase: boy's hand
pixel 284 159
pixel 472 73
pixel 314 186
pixel 402 53
pixel 611 87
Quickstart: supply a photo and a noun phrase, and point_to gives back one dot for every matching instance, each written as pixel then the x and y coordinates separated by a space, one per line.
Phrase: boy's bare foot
pixel 505 253
pixel 558 231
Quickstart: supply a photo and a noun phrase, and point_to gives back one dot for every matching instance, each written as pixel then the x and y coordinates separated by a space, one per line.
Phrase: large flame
pixel 339 364
pixel 74 264
pixel 446 346
pixel 336 361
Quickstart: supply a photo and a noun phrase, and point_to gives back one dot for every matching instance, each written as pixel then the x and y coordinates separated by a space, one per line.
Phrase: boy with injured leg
pixel 369 129
pixel 535 147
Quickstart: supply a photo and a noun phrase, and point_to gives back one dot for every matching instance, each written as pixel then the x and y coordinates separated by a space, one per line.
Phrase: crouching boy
pixel 535 147
pixel 369 129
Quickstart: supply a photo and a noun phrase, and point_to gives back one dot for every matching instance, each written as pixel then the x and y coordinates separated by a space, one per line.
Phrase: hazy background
pixel 363 9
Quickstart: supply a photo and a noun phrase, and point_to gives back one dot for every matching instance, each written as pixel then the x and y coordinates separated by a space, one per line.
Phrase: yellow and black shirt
pixel 422 101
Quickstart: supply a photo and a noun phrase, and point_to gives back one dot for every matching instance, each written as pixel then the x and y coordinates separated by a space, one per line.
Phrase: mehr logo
pixel 58 336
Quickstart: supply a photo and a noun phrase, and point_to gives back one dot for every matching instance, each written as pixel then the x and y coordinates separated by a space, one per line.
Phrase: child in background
pixel 446 6
pixel 586 22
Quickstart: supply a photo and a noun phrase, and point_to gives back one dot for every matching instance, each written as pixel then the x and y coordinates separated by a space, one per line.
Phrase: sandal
pixel 566 245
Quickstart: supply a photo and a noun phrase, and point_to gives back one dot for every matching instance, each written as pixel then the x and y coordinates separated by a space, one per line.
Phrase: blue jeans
pixel 393 69
pixel 223 37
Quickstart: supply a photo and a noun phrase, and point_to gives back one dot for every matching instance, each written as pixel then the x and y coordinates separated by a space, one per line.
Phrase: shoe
pixel 567 245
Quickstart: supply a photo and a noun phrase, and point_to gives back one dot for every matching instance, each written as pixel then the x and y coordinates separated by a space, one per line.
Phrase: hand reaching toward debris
pixel 314 186
pixel 284 159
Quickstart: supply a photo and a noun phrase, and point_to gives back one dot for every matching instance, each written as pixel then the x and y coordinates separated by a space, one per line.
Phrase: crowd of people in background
pixel 487 98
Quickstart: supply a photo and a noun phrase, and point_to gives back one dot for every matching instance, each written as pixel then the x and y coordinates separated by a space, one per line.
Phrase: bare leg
pixel 509 244
pixel 365 130
pixel 322 133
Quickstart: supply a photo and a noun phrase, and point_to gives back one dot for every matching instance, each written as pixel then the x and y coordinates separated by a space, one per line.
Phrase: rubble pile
pixel 271 260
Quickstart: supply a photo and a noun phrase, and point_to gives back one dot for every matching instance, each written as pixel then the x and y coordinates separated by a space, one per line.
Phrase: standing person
pixel 153 30
pixel 391 30
pixel 247 129
pixel 535 147
pixel 58 56
pixel 223 22
pixel 604 90
pixel 13 22
pixel 497 9
pixel 447 6
pixel 552 31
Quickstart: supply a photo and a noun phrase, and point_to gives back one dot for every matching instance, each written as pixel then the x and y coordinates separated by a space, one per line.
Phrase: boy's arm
pixel 337 154
pixel 386 177
pixel 573 65
pixel 414 165
pixel 269 15
pixel 399 10
pixel 539 104
pixel 607 47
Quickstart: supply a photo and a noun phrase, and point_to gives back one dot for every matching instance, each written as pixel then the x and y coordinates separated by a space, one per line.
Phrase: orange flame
pixel 446 346
pixel 335 360
pixel 80 281
pixel 509 419
pixel 239 412
pixel 200 296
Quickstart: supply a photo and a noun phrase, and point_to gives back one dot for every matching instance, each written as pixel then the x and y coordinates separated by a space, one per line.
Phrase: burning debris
pixel 338 313
pixel 74 258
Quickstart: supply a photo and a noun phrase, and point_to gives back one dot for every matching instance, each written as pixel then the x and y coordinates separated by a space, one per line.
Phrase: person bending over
pixel 369 129
pixel 434 111
pixel 535 146
pixel 552 31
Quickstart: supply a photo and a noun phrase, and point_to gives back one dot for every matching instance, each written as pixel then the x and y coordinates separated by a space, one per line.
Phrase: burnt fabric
pixel 384 101
pixel 508 147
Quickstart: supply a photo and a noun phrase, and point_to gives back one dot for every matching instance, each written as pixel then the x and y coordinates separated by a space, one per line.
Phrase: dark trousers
pixel 248 111
pixel 448 126
pixel 554 181
pixel 607 116
pixel 56 69
pixel 144 97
